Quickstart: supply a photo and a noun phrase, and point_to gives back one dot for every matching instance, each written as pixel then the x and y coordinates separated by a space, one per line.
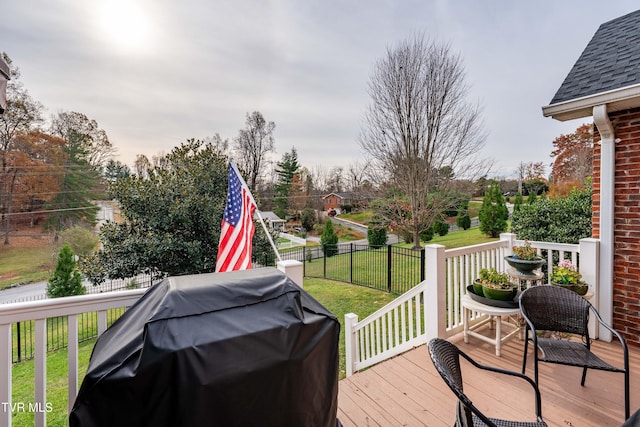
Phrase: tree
pixel 493 214
pixel 170 219
pixel 115 169
pixel 418 124
pixel 518 202
pixel 573 156
pixel 79 180
pixel 81 240
pixel 329 240
pixel 94 143
pixel 288 170
pixel 65 280
pixel 22 115
pixel 252 145
pixel 463 220
pixel 376 231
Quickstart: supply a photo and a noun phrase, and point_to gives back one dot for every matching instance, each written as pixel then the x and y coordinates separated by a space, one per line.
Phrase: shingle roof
pixel 610 61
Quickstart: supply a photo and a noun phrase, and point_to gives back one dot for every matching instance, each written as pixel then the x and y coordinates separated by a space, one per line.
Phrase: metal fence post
pixel 422 264
pixel 351 262
pixel 389 264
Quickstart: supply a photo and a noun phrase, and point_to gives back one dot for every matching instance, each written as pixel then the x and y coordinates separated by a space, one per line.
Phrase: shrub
pixel 493 214
pixel 308 219
pixel 376 232
pixel 329 240
pixel 442 228
pixel 565 220
pixel 65 280
pixel 463 220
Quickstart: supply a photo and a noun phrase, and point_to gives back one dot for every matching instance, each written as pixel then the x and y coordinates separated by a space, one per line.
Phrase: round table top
pixel 471 304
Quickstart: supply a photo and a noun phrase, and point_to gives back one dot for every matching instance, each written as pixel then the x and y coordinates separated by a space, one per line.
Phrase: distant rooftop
pixel 610 61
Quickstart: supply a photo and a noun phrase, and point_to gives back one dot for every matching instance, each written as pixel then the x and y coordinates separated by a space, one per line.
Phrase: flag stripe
pixel 236 234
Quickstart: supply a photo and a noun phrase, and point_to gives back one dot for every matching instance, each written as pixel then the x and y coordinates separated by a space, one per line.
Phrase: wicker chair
pixel 446 358
pixel 555 309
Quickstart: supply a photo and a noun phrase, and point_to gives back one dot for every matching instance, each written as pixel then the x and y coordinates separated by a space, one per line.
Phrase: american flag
pixel 236 236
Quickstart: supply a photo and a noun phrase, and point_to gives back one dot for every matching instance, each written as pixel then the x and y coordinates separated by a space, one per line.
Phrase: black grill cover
pixel 248 348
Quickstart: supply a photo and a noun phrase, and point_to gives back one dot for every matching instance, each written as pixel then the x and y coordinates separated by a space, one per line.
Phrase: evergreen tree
pixel 73 204
pixel 532 198
pixel 518 202
pixel 66 280
pixel 376 231
pixel 329 240
pixel 287 169
pixel 493 213
pixel 463 220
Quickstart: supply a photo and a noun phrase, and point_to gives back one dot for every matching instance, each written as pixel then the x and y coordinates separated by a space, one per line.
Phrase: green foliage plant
pixel 376 231
pixel 493 214
pixel 308 218
pixel 561 220
pixel 490 277
pixel 518 202
pixel 463 220
pixel 65 280
pixel 525 252
pixel 329 240
pixel 81 240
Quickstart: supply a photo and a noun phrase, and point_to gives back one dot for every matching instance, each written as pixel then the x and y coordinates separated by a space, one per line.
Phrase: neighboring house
pixel 605 84
pixel 272 220
pixel 333 201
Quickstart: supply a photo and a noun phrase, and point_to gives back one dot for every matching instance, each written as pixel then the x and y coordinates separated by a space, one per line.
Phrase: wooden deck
pixel 407 390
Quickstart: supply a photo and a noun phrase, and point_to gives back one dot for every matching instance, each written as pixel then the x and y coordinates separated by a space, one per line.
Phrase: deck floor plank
pixel 408 391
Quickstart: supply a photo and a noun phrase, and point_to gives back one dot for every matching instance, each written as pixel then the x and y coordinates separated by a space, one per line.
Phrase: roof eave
pixel 616 100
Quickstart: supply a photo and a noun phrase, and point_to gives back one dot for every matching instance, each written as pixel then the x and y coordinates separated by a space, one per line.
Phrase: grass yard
pixel 25 264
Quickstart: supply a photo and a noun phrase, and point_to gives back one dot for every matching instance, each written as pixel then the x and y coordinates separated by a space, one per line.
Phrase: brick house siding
pixel 626 275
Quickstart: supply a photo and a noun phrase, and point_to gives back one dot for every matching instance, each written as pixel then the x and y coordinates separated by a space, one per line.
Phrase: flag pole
pixel 257 211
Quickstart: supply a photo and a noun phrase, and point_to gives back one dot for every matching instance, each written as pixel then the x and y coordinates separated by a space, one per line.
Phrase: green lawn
pixel 25 264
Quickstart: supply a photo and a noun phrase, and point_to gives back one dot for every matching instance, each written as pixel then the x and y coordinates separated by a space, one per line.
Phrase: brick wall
pixel 626 277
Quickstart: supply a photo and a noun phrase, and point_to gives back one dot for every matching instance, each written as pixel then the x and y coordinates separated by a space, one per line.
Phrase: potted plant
pixel 566 274
pixel 525 258
pixel 496 285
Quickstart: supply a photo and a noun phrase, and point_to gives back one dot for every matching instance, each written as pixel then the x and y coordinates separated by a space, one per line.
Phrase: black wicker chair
pixel 446 358
pixel 556 309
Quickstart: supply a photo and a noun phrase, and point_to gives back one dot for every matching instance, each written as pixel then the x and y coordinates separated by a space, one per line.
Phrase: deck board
pixel 408 391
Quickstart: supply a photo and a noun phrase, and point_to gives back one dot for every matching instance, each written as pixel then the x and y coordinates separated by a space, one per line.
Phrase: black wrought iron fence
pixel 57 336
pixel 388 268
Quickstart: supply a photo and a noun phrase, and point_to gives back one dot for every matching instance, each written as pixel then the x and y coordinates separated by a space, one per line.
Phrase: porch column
pixel 607 192
pixel 589 268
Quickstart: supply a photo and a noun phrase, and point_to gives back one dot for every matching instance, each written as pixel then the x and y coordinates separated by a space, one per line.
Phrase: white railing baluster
pixel 40 368
pixel 5 375
pixel 72 358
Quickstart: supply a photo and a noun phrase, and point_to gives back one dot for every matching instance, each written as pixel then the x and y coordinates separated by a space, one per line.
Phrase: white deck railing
pixel 40 311
pixel 432 308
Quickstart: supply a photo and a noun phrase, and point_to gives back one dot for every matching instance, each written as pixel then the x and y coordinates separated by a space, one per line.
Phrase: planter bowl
pixel 477 287
pixel 499 294
pixel 580 289
pixel 524 264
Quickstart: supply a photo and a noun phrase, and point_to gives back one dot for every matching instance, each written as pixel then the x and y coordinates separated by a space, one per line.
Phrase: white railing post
pixel 351 349
pixel 435 288
pixel 5 375
pixel 510 238
pixel 293 269
pixel 589 267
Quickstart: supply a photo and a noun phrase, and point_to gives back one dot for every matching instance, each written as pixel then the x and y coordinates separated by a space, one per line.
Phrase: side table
pixel 494 314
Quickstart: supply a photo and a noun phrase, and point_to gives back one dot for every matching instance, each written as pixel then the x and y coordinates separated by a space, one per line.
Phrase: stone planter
pixel 524 265
pixel 499 294
pixel 580 288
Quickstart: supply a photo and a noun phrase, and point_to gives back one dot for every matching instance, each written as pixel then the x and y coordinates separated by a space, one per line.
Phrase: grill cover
pixel 247 348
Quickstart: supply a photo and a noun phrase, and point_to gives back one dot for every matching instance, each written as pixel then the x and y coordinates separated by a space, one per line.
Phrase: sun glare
pixel 124 23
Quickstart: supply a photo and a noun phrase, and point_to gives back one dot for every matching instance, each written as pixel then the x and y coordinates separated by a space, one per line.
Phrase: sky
pixel 154 73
